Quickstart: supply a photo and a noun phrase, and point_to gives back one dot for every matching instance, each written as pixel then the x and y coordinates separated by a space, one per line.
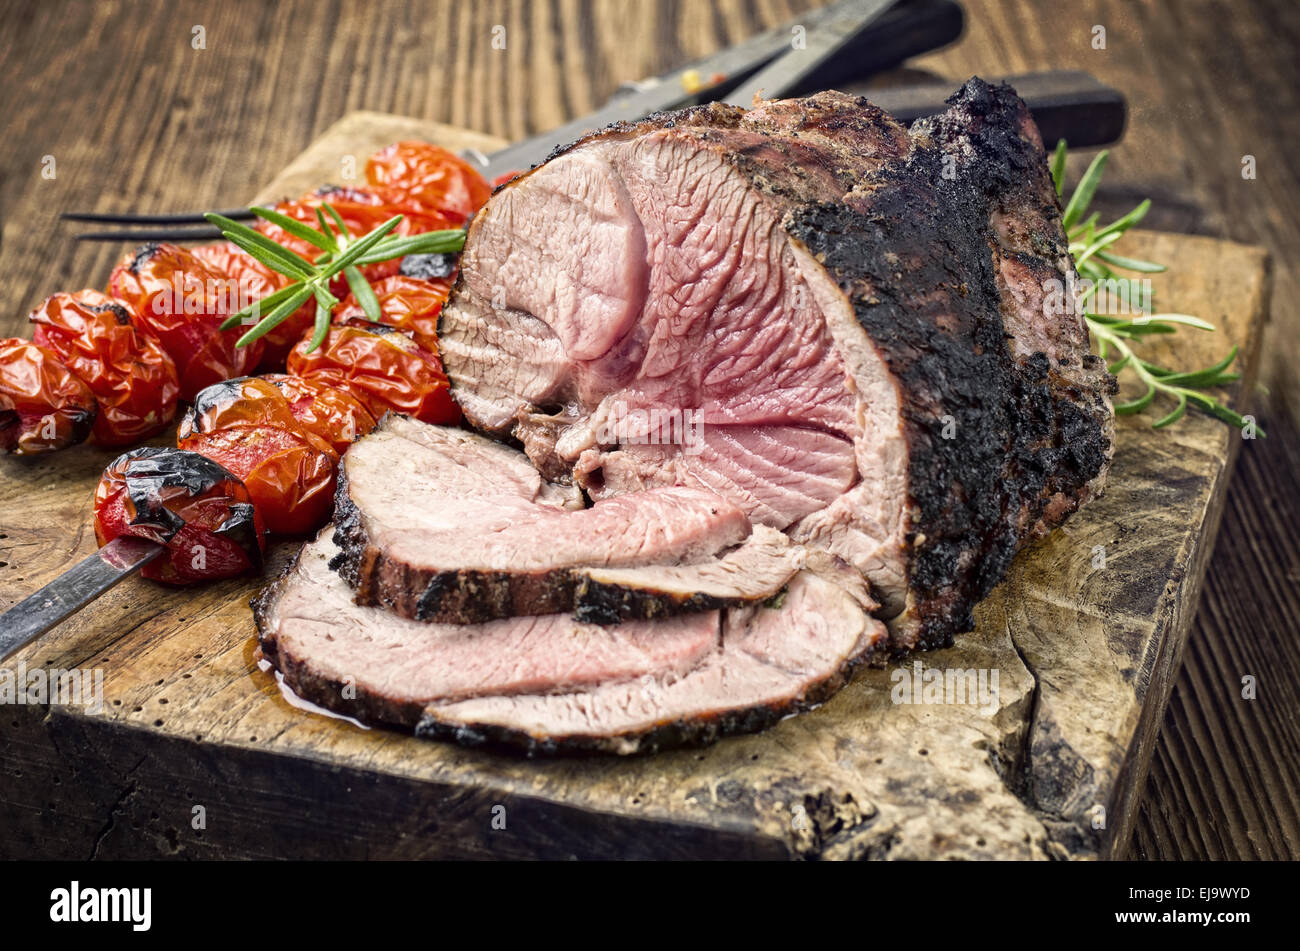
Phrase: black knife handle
pixel 909 29
pixel 1066 105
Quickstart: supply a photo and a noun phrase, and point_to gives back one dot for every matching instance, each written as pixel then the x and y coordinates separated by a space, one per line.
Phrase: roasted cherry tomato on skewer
pixel 381 367
pixel 182 302
pixel 430 176
pixel 247 426
pixel 289 472
pixel 333 414
pixel 44 406
pixel 409 304
pixel 257 281
pixel 199 510
pixel 130 374
pixel 241 401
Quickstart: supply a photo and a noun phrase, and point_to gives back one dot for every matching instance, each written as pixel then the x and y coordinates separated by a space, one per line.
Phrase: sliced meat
pixel 755 570
pixel 430 530
pixel 842 326
pixel 566 686
pixel 323 644
pixel 773 661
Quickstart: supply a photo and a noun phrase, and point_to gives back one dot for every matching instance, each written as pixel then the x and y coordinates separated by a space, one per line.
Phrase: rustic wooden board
pixel 1084 658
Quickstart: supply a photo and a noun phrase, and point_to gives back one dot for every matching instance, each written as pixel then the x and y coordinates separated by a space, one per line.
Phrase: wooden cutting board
pixel 196 753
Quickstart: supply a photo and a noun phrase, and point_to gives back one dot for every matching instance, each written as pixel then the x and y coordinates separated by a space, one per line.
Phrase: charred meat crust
pixel 1018 433
pixel 475 597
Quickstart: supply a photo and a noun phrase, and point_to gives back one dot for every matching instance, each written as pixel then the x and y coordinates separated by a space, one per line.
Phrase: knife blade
pixel 685 86
pixel 844 25
pixel 73 590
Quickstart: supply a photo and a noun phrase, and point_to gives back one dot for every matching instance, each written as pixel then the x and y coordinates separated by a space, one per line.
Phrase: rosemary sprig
pixel 1090 245
pixel 341 253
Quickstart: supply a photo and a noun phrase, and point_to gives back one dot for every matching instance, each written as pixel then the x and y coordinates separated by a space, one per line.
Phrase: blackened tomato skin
pixel 130 374
pixel 239 401
pixel 383 368
pixel 44 406
pixel 199 510
pixel 182 302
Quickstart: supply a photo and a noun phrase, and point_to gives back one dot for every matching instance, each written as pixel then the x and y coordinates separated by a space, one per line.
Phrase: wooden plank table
pixel 1050 766
pixel 161 126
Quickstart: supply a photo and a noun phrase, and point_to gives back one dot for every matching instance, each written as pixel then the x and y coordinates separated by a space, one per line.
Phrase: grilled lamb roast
pixel 798 348
pixel 430 530
pixel 858 318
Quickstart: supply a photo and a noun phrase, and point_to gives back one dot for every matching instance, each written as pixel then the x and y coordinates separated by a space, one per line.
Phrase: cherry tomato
pixel 182 302
pixel 333 414
pixel 410 304
pixel 200 511
pixel 430 176
pixel 373 205
pixel 256 281
pixel 131 376
pixel 44 406
pixel 289 473
pixel 381 367
pixel 247 426
pixel 242 401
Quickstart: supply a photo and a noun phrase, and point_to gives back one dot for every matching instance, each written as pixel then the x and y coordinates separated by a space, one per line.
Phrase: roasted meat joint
pixel 754 396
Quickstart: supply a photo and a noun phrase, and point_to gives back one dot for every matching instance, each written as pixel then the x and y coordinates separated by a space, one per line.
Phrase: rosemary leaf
pixel 364 292
pixel 338 219
pixel 360 247
pixel 265 305
pixel 431 242
pixel 1058 166
pixel 326 230
pixel 276 316
pixel 1083 192
pixel 1173 416
pixel 275 256
pixel 293 226
pixel 1131 264
pixel 1128 221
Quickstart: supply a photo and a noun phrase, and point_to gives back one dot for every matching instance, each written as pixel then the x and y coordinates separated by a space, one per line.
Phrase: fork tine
pixel 237 214
pixel 147 234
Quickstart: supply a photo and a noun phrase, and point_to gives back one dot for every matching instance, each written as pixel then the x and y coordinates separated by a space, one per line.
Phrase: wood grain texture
pixel 137 119
pixel 1084 660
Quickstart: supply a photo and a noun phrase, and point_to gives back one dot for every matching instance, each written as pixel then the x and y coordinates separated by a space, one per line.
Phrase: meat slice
pixel 435 527
pixel 322 642
pixel 566 686
pixel 773 661
pixel 849 329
